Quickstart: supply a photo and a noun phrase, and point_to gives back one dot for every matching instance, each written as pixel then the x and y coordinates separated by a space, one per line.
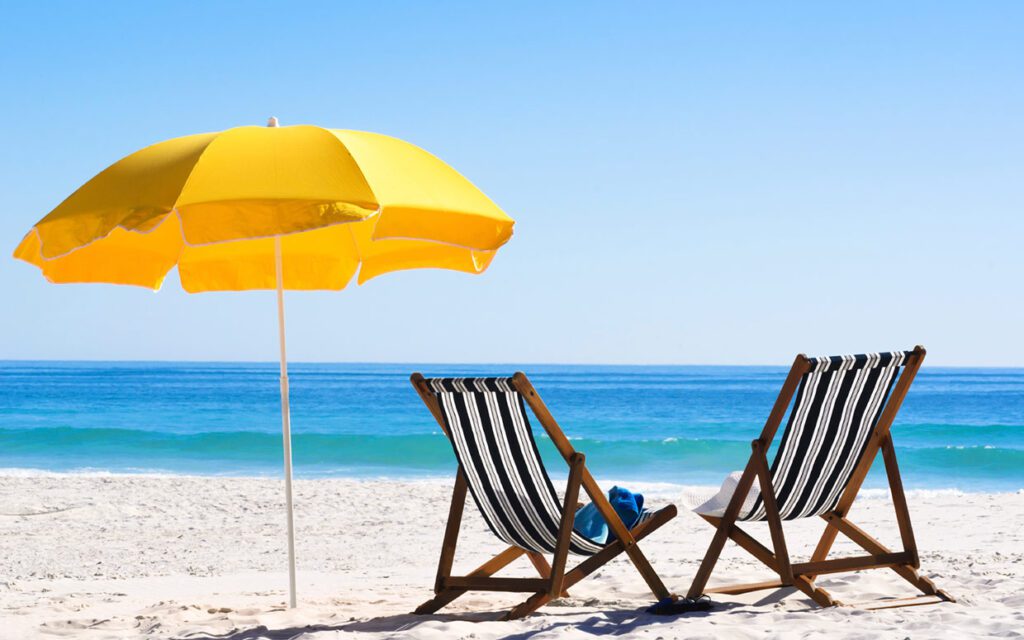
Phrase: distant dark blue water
pixel 959 428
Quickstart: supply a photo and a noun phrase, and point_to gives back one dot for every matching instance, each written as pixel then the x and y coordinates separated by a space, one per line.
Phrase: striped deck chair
pixel 485 420
pixel 840 419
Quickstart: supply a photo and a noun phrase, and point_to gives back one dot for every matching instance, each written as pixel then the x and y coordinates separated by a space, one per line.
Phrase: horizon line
pixel 456 363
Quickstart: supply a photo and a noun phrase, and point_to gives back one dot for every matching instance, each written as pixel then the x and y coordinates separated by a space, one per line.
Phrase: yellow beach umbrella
pixel 299 207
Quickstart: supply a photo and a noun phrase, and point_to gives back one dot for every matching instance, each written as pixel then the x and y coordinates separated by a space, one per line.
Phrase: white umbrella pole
pixel 286 426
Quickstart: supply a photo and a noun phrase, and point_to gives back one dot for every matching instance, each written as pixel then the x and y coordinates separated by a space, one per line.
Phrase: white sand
pixel 146 556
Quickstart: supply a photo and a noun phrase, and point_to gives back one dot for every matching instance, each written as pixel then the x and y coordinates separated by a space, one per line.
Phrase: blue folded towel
pixel 590 523
pixel 627 504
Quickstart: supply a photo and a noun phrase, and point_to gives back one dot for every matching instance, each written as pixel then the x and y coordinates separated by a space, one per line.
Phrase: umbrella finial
pixel 272 121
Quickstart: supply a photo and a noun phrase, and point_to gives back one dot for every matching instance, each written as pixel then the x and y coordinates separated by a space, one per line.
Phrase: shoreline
pixel 870 492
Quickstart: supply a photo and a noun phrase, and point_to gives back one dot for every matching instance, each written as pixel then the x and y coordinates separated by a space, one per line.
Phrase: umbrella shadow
pixel 382 624
pixel 605 623
pixel 263 633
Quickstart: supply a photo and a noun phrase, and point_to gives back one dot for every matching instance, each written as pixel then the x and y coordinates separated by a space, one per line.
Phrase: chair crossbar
pixel 484 583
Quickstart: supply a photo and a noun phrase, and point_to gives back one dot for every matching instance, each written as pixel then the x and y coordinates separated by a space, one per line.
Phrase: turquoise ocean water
pixel 959 428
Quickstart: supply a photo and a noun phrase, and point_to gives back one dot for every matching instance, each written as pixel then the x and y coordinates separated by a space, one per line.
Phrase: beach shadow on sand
pixel 606 623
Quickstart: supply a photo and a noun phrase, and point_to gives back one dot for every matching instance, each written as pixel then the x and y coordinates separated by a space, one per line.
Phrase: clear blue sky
pixel 692 182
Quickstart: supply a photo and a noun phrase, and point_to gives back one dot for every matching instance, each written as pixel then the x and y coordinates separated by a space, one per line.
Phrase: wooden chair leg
pixel 838 523
pixel 591 564
pixel 451 532
pixel 871 545
pixel 540 563
pixel 821 597
pixel 707 565
pixel 824 546
pixel 724 526
pixel 572 491
pixel 772 512
pixel 762 553
pixel 738 589
pixel 749 544
pixel 622 533
pixel 828 537
pixel 561 442
pixel 487 569
pixel 647 572
pixel 899 499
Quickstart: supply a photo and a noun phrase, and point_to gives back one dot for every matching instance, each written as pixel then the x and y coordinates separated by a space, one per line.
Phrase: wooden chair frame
pixel 802 575
pixel 554 580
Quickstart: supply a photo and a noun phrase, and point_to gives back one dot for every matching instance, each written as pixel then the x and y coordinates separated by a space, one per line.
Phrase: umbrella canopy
pixel 212 204
pixel 298 207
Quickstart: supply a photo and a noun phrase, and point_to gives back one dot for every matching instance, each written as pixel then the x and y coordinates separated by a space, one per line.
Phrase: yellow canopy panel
pixel 212 203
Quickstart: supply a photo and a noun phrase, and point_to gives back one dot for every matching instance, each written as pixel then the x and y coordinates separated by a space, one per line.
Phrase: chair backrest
pixel 486 422
pixel 837 407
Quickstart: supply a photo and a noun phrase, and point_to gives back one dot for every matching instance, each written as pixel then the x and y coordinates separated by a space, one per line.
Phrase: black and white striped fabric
pixel 837 406
pixel 487 425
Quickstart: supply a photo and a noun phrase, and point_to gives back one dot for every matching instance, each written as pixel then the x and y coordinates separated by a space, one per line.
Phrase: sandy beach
pixel 199 557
